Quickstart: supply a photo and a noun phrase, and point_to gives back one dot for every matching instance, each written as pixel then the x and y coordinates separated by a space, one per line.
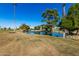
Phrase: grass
pixel 24 44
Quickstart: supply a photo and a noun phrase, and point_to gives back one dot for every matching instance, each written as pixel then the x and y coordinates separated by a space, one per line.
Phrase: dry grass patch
pixel 24 44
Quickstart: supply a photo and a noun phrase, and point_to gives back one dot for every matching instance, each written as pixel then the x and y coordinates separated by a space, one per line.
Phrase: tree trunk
pixel 66 33
pixel 77 32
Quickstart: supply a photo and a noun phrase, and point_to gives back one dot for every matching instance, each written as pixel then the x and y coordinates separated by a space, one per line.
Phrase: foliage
pixel 37 27
pixel 50 16
pixel 24 27
pixel 10 29
pixel 71 21
pixel 67 23
pixel 74 13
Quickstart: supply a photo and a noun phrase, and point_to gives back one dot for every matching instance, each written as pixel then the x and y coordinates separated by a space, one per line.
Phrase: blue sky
pixel 28 13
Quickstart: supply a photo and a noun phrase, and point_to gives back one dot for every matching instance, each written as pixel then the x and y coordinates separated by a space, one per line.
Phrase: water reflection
pixel 56 34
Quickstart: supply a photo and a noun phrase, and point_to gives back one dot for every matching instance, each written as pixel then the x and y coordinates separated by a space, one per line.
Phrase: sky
pixel 26 13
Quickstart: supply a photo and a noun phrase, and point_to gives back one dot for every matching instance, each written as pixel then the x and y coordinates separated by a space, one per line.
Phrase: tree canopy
pixel 37 27
pixel 71 20
pixel 50 16
pixel 24 27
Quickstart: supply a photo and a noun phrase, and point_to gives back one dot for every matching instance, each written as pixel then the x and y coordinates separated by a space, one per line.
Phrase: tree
pixel 10 29
pixel 24 27
pixel 71 21
pixel 5 28
pixel 74 13
pixel 50 16
pixel 67 24
pixel 37 27
pixel 63 9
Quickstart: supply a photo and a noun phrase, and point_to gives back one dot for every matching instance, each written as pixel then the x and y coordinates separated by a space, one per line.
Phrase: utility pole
pixel 14 12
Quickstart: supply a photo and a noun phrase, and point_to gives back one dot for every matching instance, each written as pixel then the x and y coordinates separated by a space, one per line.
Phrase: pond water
pixel 55 34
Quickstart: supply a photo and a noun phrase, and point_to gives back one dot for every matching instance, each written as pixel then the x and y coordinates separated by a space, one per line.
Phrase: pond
pixel 55 34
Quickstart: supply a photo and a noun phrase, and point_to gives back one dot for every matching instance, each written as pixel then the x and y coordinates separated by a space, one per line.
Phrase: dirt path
pixel 24 44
